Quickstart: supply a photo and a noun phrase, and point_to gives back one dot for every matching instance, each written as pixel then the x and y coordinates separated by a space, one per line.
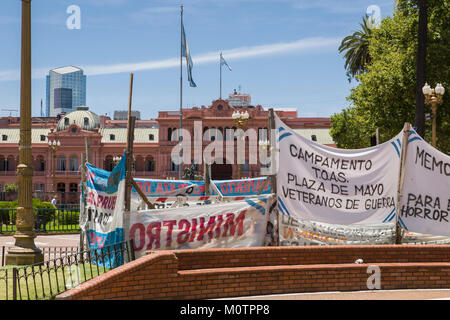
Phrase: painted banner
pixel 228 225
pixel 425 204
pixel 338 186
pixel 192 188
pixel 301 232
pixel 103 218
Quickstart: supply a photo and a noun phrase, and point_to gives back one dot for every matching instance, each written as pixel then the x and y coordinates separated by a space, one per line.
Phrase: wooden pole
pixel 273 176
pixel 129 164
pixel 206 178
pixel 129 150
pixel 83 192
pixel 87 147
pixel 398 231
pixel 142 194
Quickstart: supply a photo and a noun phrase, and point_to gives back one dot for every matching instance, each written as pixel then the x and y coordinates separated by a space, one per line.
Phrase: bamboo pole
pixel 398 231
pixel 273 176
pixel 129 150
pixel 129 164
pixel 83 192
pixel 142 194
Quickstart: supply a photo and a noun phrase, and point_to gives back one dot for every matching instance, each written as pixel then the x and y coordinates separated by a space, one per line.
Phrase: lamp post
pixel 241 121
pixel 433 97
pixel 24 251
pixel 54 146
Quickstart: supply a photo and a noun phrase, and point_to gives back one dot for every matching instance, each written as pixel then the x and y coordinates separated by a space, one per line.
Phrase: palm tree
pixel 357 55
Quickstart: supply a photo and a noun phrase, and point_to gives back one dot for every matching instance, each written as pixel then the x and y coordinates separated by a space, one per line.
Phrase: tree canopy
pixel 385 95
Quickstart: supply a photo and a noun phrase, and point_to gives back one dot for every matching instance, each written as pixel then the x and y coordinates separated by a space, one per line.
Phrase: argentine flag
pixel 185 53
pixel 223 62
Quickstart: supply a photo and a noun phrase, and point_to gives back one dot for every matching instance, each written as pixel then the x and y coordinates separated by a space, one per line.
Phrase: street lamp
pixel 54 146
pixel 433 97
pixel 241 121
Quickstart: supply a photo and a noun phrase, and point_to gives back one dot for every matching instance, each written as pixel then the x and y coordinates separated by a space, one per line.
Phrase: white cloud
pixel 302 45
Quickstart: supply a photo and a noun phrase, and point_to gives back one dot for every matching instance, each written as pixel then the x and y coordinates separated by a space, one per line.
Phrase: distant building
pixel 238 100
pixel 66 90
pixel 123 115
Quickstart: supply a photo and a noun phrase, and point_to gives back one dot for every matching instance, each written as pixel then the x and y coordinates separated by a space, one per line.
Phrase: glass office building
pixel 61 84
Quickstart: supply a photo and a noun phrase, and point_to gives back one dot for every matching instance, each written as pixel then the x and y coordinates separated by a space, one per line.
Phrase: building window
pixel 112 137
pixel 61 187
pixel 73 164
pixel 313 137
pixel 66 121
pixel 151 137
pixel 73 187
pixel 86 122
pixel 42 137
pixel 150 164
pixel 4 137
pixel 61 164
pixel 174 167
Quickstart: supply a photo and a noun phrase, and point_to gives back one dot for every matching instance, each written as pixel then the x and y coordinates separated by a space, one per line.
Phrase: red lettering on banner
pixel 193 230
pixel 209 228
pixel 251 186
pixel 238 187
pixel 159 188
pixel 183 236
pixel 224 188
pixel 170 225
pixel 99 200
pixel 141 229
pixel 232 224
pixel 219 220
pixel 154 236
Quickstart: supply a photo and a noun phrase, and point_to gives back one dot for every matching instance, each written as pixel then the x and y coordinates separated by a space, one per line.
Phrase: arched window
pixel 2 163
pixel 109 164
pixel 149 164
pixel 86 122
pixel 206 134
pixel 314 137
pixel 169 134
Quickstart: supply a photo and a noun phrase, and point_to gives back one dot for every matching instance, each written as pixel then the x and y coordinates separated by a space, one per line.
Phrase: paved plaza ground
pixel 430 294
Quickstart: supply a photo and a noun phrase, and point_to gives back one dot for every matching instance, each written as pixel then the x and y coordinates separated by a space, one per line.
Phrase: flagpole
pixel 220 64
pixel 181 90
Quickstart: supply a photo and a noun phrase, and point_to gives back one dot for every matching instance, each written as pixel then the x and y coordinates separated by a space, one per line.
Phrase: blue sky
pixel 283 52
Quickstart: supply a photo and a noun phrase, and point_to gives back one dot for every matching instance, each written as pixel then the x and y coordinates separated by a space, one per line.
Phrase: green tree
pixel 356 48
pixel 11 187
pixel 385 96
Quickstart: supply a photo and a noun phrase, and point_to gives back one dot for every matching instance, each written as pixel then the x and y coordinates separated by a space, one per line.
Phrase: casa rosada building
pixel 57 167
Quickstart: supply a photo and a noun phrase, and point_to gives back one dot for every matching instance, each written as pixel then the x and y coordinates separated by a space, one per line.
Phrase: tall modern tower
pixel 66 90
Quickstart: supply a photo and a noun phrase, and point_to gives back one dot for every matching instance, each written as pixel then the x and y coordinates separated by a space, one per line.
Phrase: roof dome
pixel 86 119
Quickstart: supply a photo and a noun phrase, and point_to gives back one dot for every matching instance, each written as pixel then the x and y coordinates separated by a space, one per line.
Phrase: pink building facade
pixel 57 170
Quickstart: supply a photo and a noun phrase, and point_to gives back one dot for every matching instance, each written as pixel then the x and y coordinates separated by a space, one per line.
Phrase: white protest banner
pixel 338 186
pixel 425 204
pixel 228 225
pixel 302 232
pixel 103 220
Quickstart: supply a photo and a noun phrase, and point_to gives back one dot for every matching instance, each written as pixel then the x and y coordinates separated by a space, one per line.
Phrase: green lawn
pixel 43 282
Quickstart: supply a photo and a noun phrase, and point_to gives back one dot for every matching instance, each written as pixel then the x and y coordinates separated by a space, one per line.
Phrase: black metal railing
pixel 64 218
pixel 54 276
